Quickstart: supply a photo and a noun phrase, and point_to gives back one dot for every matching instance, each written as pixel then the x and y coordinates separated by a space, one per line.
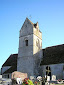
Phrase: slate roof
pixel 12 69
pixel 11 61
pixel 53 55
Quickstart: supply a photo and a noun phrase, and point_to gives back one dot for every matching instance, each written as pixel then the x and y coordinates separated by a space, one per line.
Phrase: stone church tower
pixel 30 49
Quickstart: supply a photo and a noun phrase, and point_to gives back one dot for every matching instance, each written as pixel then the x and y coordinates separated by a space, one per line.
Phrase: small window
pixel 8 75
pixel 26 42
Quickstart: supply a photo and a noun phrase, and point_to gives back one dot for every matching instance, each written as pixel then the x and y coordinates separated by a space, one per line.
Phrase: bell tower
pixel 30 48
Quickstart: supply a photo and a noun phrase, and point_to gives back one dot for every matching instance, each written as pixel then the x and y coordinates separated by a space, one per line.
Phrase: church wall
pixel 37 32
pixel 63 71
pixel 43 70
pixel 63 74
pixel 56 69
pixel 25 53
pixel 25 65
pixel 37 44
pixel 7 75
pixel 29 56
pixel 37 54
pixel 25 56
pixel 22 40
pixel 23 49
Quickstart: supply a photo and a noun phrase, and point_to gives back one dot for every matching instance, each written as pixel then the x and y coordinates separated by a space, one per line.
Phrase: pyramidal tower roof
pixel 35 25
pixel 30 21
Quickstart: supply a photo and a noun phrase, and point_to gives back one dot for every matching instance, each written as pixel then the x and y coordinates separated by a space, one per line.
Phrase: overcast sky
pixel 48 13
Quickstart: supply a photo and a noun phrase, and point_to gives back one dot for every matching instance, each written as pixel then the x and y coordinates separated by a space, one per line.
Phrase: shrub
pixel 27 81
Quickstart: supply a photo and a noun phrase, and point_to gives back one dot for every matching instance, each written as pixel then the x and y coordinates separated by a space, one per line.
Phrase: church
pixel 31 58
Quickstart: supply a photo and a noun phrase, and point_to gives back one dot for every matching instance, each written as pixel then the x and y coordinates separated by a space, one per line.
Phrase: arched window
pixel 48 71
pixel 26 42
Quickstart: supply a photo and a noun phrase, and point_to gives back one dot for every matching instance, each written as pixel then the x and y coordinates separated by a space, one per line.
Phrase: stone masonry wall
pixel 56 69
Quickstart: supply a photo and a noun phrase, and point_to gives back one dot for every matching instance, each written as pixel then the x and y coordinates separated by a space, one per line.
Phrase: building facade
pixel 53 61
pixel 9 66
pixel 31 58
pixel 30 49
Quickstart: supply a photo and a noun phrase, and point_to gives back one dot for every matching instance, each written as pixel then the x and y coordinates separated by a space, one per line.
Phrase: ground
pixel 56 84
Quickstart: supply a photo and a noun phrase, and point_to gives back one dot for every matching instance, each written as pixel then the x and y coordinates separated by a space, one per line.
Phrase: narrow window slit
pixel 26 42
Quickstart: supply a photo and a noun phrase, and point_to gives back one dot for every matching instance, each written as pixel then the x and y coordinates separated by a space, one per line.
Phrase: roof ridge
pixel 54 46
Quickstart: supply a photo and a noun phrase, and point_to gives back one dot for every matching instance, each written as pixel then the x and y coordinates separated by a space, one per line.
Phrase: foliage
pixel 27 81
pixel 36 83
